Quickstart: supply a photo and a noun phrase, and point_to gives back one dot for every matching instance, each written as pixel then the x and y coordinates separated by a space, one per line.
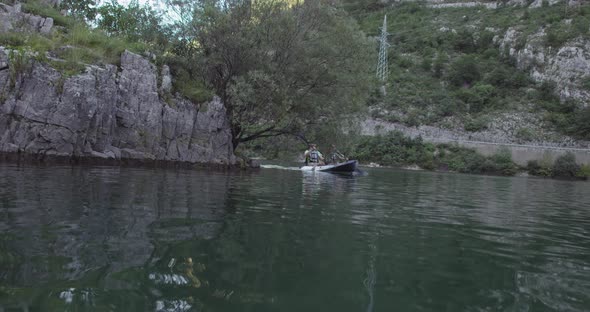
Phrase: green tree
pixel 281 68
pixel 82 9
pixel 135 22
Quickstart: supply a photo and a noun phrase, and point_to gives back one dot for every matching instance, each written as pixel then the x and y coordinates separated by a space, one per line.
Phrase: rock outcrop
pixel 106 113
pixel 12 19
pixel 567 66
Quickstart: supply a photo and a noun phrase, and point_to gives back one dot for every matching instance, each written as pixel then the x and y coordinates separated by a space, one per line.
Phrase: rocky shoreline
pixel 108 114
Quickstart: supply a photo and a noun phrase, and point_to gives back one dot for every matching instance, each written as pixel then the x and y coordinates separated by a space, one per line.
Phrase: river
pixel 138 239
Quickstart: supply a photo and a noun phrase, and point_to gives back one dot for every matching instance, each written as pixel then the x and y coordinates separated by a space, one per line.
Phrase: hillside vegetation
pixel 448 66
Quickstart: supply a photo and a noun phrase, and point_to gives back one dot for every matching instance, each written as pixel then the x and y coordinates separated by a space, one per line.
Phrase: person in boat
pixel 335 156
pixel 313 157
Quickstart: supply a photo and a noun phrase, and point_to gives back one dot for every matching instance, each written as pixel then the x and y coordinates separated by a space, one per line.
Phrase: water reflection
pixel 335 183
pixel 66 224
pixel 120 239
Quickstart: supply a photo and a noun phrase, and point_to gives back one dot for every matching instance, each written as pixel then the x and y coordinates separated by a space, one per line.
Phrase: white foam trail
pixel 279 167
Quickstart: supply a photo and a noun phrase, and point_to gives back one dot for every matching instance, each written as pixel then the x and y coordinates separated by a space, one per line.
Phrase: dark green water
pixel 120 239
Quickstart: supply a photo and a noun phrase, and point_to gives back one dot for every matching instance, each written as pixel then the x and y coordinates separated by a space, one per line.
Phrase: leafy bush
pixel 568 118
pixel 565 166
pixel 537 168
pixel 505 77
pixel 464 71
pixel 485 43
pixel 579 125
pixel 396 149
pixel 547 91
pixel 476 124
pixel 464 41
pixel 447 106
pixel 556 38
pixel 426 64
pixel 525 134
pixel 584 171
pixel 463 160
pixel 501 163
pixel 491 53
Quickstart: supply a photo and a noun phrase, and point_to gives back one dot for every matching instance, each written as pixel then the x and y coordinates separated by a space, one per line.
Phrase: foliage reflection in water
pixel 120 239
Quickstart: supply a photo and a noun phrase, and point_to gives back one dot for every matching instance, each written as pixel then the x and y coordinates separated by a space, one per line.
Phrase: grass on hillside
pixel 72 46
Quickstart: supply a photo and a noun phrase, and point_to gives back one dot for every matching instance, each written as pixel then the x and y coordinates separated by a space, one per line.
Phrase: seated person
pixel 313 157
pixel 335 156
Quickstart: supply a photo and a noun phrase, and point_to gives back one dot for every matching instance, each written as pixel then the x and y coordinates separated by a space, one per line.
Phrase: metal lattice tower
pixel 382 65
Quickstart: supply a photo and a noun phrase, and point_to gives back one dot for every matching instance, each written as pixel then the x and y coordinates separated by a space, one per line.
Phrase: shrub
pixel 555 38
pixel 485 42
pixel 465 161
pixel 505 77
pixel 404 62
pixel 395 149
pixel 447 106
pixel 491 53
pixel 476 124
pixel 464 71
pixel 464 41
pixel 584 171
pixel 538 169
pixel 426 64
pixel 579 125
pixel 501 163
pixel 486 94
pixel 525 134
pixel 547 92
pixel 565 166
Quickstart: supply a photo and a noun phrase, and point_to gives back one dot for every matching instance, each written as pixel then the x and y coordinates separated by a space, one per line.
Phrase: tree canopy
pixel 134 21
pixel 83 9
pixel 280 67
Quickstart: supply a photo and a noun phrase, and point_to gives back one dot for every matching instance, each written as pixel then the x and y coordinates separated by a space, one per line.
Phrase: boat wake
pixel 279 167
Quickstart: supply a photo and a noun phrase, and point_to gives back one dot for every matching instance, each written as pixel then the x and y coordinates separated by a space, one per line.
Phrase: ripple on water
pixel 282 240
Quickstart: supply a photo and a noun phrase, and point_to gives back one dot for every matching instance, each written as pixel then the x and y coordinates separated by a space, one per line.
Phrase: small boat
pixel 347 166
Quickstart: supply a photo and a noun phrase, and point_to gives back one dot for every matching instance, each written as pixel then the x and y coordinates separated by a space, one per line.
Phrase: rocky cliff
pixel 566 66
pixel 12 19
pixel 107 113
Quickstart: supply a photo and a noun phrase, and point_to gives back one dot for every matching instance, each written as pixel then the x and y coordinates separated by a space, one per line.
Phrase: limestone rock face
pixel 567 66
pixel 109 113
pixel 14 20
